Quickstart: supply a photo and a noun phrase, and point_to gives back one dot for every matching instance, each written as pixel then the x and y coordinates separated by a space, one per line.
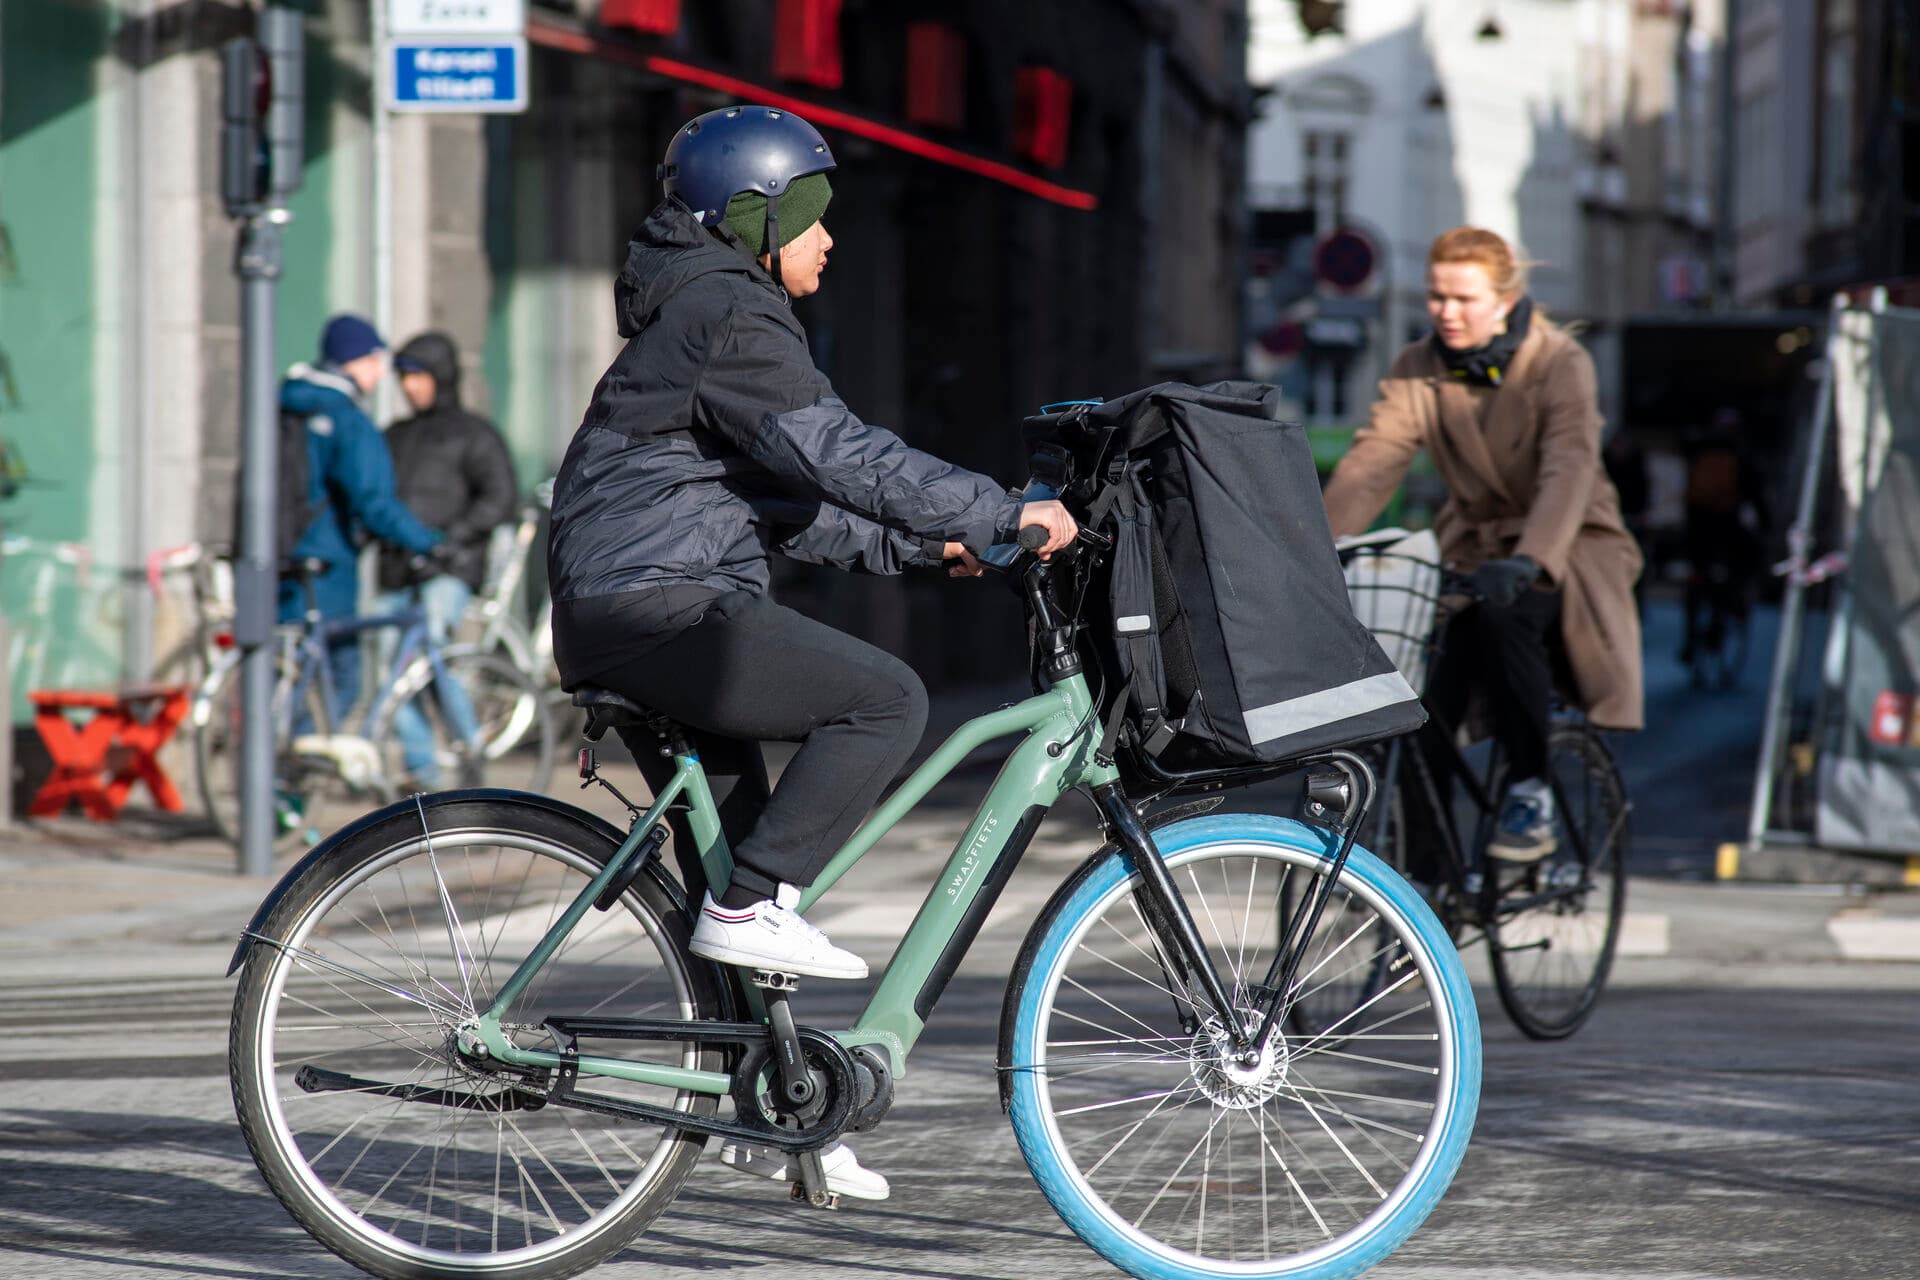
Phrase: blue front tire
pixel 1177 1161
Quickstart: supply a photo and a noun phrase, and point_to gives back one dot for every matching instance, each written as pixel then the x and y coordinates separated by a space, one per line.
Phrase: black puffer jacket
pixel 451 468
pixel 713 440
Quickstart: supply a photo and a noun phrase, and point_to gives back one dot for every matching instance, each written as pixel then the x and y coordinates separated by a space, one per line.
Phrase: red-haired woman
pixel 1503 401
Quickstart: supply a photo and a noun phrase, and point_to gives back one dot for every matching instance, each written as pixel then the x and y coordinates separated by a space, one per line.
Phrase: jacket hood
pixel 312 388
pixel 669 252
pixel 435 353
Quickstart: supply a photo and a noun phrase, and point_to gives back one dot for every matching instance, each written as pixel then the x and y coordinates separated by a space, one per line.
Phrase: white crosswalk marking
pixel 1867 935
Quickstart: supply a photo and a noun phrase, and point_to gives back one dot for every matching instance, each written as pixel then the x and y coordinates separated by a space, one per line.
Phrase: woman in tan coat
pixel 1503 401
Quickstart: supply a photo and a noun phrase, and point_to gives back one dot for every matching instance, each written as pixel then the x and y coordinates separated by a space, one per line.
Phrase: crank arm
pixel 1510 907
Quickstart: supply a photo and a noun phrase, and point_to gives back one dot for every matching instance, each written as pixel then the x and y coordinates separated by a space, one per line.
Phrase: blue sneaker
pixel 1525 831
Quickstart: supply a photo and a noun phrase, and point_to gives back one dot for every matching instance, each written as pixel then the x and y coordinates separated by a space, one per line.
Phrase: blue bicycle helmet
pixel 716 156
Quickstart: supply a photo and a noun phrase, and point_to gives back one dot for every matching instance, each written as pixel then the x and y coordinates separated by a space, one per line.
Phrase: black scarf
pixel 1487 366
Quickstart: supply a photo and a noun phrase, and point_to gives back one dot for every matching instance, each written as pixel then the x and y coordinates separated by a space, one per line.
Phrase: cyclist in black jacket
pixel 712 442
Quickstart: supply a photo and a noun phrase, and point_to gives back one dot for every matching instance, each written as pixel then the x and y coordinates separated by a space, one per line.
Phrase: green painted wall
pixel 50 124
pixel 524 285
pixel 304 300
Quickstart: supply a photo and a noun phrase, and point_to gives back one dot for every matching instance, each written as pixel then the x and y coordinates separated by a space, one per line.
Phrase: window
pixel 1836 133
pixel 806 42
pixel 1326 177
pixel 650 17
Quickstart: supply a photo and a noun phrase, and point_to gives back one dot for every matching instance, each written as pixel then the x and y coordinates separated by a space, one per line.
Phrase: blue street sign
pixel 460 75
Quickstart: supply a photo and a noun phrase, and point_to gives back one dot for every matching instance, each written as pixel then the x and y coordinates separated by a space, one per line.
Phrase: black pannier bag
pixel 1227 628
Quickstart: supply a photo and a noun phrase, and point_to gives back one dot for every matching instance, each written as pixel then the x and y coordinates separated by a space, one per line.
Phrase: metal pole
pixel 6 730
pixel 138 535
pixel 255 573
pixel 1723 178
pixel 1786 649
pixel 383 406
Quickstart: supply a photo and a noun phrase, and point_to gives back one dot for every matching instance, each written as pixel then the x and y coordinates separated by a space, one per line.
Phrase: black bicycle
pixel 1551 926
pixel 1718 603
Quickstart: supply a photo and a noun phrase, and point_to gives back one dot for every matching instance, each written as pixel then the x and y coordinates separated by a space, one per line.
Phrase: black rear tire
pixel 1553 925
pixel 360 990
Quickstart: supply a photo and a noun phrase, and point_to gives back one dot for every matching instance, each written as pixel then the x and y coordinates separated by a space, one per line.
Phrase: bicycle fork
pixel 1182 948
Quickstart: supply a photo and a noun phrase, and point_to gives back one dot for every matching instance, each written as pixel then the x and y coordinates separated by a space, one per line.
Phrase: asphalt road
pixel 1743 1104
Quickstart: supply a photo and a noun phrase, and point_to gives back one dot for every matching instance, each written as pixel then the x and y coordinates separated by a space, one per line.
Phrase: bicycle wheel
pixel 1553 924
pixel 1174 1161
pixel 217 733
pixel 515 730
pixel 514 722
pixel 361 996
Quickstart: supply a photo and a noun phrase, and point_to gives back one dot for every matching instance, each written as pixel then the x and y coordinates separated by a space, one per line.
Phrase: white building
pixel 1563 125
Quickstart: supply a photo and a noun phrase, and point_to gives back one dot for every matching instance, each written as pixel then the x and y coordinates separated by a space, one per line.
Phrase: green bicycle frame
pixel 1057 755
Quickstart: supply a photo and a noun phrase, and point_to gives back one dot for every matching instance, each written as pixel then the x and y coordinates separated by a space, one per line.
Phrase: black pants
pixel 1507 653
pixel 749 672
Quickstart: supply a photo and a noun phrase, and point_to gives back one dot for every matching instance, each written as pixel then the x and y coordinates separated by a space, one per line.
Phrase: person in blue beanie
pixel 349 485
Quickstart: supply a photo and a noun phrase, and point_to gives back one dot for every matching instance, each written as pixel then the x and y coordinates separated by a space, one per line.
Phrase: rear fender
pixel 437 800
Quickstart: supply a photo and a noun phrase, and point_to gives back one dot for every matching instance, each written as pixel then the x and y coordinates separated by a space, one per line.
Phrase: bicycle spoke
pixel 321 962
pixel 455 938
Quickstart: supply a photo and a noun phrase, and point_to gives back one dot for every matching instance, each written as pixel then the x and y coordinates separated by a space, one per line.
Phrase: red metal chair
pixel 97 758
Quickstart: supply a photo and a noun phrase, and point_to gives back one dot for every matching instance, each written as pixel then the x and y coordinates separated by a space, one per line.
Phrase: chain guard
pixel 824 1054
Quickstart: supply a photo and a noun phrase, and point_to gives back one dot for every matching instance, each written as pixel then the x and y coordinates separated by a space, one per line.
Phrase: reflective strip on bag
pixel 1328 706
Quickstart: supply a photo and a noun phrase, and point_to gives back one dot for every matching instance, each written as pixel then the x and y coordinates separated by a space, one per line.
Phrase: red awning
pixel 555 34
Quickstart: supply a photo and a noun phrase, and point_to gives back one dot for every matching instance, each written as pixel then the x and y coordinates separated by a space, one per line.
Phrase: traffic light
pixel 246 93
pixel 283 42
pixel 263 141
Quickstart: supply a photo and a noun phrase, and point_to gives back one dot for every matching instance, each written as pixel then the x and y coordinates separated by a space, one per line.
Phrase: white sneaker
pixel 771 935
pixel 845 1174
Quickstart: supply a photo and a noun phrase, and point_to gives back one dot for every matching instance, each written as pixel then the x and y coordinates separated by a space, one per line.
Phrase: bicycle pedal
pixel 828 1199
pixel 774 980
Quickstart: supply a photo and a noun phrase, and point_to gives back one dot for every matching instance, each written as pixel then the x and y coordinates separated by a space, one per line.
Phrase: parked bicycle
pixel 39 576
pixel 469 1038
pixel 207 606
pixel 1551 926
pixel 315 756
pixel 496 607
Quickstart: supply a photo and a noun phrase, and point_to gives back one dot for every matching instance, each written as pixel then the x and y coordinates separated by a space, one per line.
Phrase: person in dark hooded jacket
pixel 452 470
pixel 711 443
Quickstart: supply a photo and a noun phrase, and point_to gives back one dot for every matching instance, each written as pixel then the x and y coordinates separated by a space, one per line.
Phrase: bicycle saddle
pixel 304 567
pixel 609 710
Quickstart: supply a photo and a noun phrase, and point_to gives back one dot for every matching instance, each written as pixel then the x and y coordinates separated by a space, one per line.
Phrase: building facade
pixel 1826 187
pixel 1032 204
pixel 1581 131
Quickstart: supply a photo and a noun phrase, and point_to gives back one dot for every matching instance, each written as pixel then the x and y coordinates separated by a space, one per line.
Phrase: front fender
pixel 437 800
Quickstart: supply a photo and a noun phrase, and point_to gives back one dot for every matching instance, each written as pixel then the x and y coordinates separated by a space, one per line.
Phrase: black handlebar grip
pixel 1033 537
